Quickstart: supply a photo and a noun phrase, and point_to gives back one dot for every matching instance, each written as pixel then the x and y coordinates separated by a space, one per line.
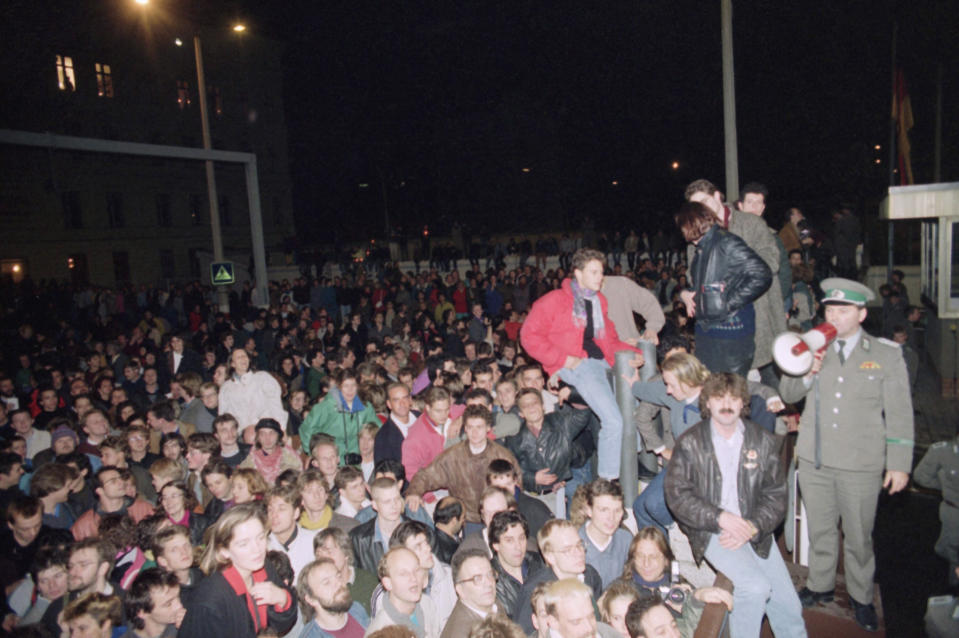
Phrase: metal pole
pixel 890 240
pixel 937 153
pixel 729 104
pixel 221 295
pixel 628 470
pixel 256 229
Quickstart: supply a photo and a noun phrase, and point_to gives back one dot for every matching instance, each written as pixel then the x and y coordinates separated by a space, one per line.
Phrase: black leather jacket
pixel 508 588
pixel 551 449
pixel 727 275
pixel 694 485
pixel 366 551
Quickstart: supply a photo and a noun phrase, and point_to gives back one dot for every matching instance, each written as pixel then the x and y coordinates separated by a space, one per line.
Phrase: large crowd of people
pixel 437 453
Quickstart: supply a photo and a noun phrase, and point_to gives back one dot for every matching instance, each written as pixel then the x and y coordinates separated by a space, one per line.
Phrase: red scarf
pixel 257 612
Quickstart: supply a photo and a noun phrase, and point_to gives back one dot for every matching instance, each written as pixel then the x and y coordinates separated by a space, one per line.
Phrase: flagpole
pixel 892 152
pixel 937 152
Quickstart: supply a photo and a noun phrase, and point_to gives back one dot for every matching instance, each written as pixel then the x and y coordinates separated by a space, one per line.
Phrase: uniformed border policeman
pixel 939 469
pixel 856 425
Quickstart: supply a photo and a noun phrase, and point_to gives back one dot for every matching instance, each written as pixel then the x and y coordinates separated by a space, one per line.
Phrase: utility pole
pixel 729 104
pixel 222 298
pixel 891 239
pixel 937 152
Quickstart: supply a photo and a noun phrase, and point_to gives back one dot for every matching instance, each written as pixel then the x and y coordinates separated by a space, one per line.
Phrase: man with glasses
pixel 111 490
pixel 565 556
pixel 475 584
pixel 90 562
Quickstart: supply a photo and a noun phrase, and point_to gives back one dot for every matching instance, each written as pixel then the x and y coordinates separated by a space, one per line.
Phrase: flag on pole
pixel 902 114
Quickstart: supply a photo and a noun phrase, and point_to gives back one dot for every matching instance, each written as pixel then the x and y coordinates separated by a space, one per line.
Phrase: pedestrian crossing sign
pixel 221 273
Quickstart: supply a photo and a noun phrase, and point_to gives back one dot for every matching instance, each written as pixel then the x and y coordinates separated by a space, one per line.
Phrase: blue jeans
pixel 589 379
pixel 761 586
pixel 650 506
pixel 581 476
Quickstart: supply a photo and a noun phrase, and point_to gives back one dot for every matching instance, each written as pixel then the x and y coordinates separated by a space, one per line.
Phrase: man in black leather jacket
pixel 727 276
pixel 726 488
pixel 543 445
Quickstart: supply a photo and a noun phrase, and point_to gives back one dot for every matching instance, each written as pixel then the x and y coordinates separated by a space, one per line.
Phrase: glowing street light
pixel 142 1
pixel 239 27
pixel 525 169
pixel 178 42
pixel 674 166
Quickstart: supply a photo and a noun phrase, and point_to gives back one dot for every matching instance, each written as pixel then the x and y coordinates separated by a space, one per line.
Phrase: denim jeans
pixel 760 586
pixel 589 379
pixel 650 506
pixel 581 476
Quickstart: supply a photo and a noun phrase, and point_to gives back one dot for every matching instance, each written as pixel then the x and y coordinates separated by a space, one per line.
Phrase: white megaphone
pixel 794 352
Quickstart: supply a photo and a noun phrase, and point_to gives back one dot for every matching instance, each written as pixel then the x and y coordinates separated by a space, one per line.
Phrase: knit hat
pixel 64 431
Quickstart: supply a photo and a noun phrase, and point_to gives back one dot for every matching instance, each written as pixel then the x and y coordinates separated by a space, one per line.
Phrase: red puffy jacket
pixel 549 334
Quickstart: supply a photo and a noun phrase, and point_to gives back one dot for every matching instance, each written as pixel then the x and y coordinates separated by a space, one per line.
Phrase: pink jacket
pixel 549 334
pixel 424 443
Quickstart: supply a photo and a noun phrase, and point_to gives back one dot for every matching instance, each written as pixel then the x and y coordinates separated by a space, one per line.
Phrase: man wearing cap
pixel 855 438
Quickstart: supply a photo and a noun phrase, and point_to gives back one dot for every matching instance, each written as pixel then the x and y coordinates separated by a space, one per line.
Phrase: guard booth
pixel 937 205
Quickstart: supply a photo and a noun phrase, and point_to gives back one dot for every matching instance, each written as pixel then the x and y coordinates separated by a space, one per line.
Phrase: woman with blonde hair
pixel 683 377
pixel 241 595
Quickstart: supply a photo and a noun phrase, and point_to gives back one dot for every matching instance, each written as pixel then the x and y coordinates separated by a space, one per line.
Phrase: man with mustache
pixel 730 521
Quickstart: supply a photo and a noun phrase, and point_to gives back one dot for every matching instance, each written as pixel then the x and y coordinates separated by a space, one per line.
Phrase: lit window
pixel 104 80
pixel 182 93
pixel 66 80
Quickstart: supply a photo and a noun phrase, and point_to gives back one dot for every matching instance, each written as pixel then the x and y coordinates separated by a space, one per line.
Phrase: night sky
pixel 444 104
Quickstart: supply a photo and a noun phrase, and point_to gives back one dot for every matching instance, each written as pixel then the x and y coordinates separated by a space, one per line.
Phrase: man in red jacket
pixel 570 333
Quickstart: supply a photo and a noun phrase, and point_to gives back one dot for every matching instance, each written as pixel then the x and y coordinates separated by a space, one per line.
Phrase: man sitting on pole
pixel 570 333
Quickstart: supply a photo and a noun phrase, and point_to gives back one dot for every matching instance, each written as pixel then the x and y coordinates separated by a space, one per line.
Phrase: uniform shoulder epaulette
pixel 888 342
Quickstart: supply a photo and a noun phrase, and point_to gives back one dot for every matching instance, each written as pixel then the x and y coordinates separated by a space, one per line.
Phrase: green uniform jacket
pixel 330 417
pixel 939 470
pixel 865 409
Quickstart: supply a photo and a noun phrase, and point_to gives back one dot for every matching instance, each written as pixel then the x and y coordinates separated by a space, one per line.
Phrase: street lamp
pixel 222 297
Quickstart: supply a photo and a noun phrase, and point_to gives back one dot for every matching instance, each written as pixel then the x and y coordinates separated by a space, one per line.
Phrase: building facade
pixel 112 70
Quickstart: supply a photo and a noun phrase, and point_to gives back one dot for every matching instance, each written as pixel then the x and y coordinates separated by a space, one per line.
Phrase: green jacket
pixel 331 417
pixel 314 379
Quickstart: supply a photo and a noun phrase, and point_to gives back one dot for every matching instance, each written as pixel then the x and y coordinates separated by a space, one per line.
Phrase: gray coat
pixel 770 315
